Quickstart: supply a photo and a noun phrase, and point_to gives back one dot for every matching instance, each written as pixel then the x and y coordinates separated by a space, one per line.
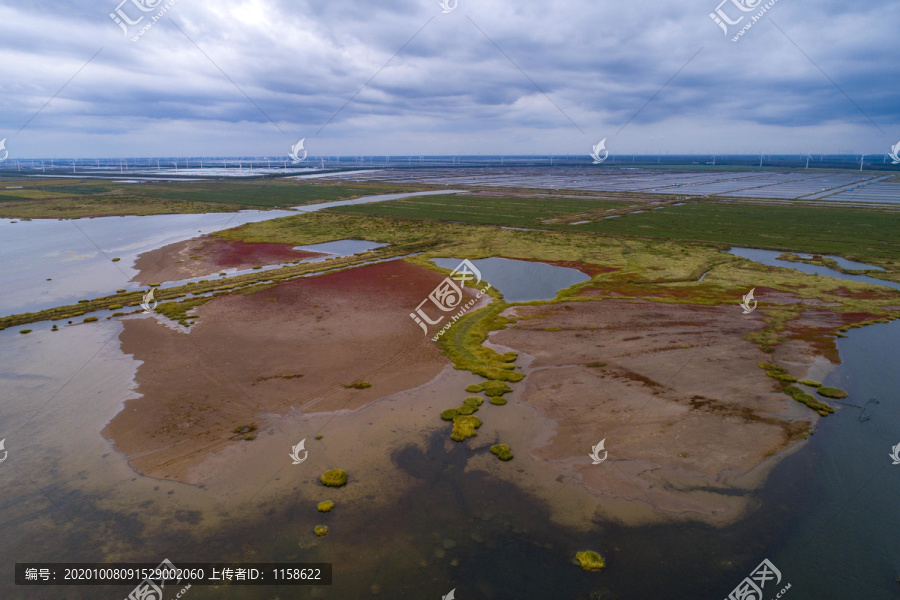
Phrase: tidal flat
pixel 642 353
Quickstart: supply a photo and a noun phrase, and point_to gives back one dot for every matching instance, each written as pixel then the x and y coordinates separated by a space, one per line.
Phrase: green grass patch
pixel 498 400
pixel 334 478
pixel 801 396
pixel 810 383
pixel 486 210
pixel 449 414
pixel 325 506
pixel 502 451
pixel 359 385
pixel 831 392
pixel 321 530
pixel 590 561
pixel 464 427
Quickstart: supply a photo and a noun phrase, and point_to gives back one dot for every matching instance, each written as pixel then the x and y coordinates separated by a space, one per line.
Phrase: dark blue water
pixel 847 539
pixel 520 280
pixel 769 257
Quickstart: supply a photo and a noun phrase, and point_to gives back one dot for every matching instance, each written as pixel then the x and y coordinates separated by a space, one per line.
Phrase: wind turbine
pixel 808 156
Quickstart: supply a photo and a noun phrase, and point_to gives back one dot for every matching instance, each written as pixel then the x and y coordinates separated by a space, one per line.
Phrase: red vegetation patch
pixel 234 254
pixel 862 295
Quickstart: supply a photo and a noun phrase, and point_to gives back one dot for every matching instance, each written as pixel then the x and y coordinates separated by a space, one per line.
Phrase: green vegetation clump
pixel 325 506
pixel 502 451
pixel 473 401
pixel 467 410
pixel 590 561
pixel 596 365
pixel 54 328
pixel 116 259
pixel 801 396
pixel 360 385
pixel 464 427
pixel 831 392
pixel 474 388
pixel 318 437
pixel 810 383
pixel 450 414
pixel 334 478
pixel 25 331
pixel 114 306
pixel 244 429
pixel 321 530
pixel 498 400
pixel 121 291
pixel 778 373
pixel 495 388
pixel 90 320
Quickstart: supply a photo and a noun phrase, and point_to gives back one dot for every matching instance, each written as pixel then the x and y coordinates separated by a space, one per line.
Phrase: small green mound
pixel 321 530
pixel 474 401
pixel 474 388
pixel 801 396
pixel 359 385
pixel 831 392
pixel 121 291
pixel 502 451
pixel 464 427
pixel 334 478
pixel 495 388
pixel 590 561
pixel 466 410
pixel 244 429
pixel 498 400
pixel 318 437
pixel 90 320
pixel 778 373
pixel 810 383
pixel 449 414
pixel 24 331
pixel 116 259
pixel 596 365
pixel 325 506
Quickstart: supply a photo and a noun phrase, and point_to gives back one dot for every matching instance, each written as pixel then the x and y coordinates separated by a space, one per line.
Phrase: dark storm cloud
pixel 450 90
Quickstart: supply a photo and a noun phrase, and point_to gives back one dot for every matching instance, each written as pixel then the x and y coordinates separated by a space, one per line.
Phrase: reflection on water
pixel 519 280
pixel 769 257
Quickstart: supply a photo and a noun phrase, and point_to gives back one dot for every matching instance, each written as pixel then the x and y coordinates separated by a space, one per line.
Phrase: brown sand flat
pixel 293 346
pixel 687 415
pixel 209 255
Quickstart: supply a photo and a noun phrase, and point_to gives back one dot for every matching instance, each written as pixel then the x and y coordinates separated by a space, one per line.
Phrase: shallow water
pixel 76 254
pixel 770 257
pixel 520 280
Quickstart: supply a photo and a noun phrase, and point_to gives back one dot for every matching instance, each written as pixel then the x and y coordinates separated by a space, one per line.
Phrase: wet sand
pixel 295 346
pixel 208 255
pixel 692 424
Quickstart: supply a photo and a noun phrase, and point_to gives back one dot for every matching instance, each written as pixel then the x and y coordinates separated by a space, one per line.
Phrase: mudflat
pixel 208 255
pixel 291 347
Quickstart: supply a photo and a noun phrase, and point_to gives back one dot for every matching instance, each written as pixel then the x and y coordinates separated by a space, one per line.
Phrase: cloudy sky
pixel 399 77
